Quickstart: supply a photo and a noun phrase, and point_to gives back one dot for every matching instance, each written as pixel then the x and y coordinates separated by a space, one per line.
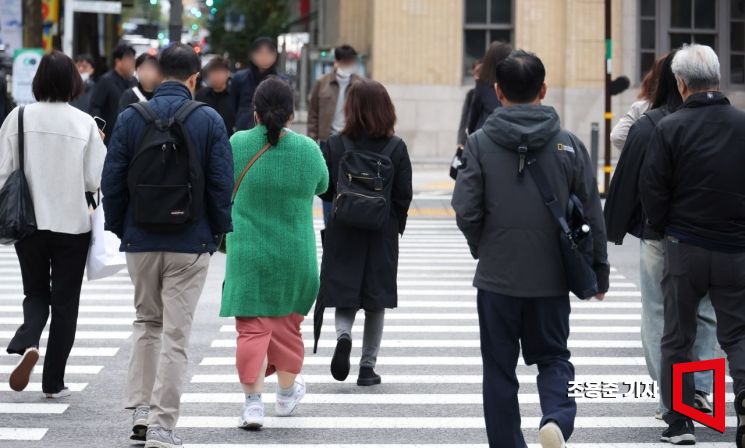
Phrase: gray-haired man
pixel 692 190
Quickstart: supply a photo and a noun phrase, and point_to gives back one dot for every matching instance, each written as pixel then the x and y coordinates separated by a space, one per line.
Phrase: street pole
pixel 32 23
pixel 175 24
pixel 608 113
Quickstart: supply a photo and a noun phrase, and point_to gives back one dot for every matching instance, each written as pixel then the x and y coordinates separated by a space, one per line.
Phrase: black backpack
pixel 363 188
pixel 165 179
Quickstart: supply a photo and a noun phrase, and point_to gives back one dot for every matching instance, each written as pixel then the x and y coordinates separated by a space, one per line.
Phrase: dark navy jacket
pixel 207 132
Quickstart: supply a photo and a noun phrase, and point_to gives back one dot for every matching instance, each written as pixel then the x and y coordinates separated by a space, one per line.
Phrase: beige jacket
pixel 322 106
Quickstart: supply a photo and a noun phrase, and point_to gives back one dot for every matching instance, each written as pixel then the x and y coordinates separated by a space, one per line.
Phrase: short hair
pixel 122 50
pixel 368 110
pixel 57 79
pixel 520 76
pixel 85 57
pixel 697 66
pixel 145 57
pixel 179 61
pixel 264 41
pixel 495 54
pixel 345 53
pixel 217 63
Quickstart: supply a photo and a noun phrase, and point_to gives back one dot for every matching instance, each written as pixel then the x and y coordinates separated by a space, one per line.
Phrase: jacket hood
pixel 535 125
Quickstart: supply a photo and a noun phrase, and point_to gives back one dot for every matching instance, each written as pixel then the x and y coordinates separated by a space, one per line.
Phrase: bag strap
pixel 186 109
pixel 549 197
pixel 21 154
pixel 138 93
pixel 147 112
pixel 391 146
pixel 248 166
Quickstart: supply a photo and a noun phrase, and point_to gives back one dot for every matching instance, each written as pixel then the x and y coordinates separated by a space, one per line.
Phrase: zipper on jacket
pixel 522 151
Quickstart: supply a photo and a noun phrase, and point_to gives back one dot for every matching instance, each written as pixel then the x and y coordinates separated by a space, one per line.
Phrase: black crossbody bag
pixel 575 238
pixel 17 217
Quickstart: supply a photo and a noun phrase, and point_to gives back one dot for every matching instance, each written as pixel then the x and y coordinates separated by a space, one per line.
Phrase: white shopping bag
pixel 104 258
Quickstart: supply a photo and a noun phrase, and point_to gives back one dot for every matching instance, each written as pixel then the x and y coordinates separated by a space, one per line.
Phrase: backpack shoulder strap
pixel 186 109
pixel 391 146
pixel 655 115
pixel 147 112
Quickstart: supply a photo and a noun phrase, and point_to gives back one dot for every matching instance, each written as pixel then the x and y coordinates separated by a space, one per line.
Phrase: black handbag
pixel 575 238
pixel 17 218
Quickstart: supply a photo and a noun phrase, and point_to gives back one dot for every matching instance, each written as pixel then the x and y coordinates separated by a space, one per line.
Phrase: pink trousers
pixel 276 338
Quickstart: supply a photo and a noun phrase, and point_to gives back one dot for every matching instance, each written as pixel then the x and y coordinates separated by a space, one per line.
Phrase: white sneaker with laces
pixel 550 436
pixel 286 406
pixel 61 394
pixel 253 416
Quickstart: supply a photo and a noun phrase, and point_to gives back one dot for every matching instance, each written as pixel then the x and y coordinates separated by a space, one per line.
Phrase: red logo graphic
pixel 716 420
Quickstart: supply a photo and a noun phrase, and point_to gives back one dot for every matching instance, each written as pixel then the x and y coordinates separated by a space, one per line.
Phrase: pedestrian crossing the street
pixel 98 340
pixel 430 363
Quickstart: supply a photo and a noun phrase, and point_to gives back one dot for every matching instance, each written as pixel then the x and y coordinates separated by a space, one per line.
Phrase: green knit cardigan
pixel 272 266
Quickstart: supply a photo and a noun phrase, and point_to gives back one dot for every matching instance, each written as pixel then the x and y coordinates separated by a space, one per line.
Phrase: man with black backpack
pixel 527 201
pixel 168 180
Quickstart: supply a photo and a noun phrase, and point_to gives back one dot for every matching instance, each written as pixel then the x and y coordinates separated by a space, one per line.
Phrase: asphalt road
pixel 430 364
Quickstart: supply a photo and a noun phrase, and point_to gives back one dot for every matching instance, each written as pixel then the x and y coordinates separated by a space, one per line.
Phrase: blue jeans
pixel 541 326
pixel 653 317
pixel 327 206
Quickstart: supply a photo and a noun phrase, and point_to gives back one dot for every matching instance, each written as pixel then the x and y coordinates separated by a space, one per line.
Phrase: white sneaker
pixel 550 436
pixel 286 406
pixel 61 394
pixel 21 374
pixel 253 416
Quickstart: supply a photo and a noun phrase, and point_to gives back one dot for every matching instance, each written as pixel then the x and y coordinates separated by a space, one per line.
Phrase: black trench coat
pixel 359 267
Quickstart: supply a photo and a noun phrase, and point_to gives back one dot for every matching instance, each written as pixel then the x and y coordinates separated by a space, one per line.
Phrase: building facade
pixel 421 50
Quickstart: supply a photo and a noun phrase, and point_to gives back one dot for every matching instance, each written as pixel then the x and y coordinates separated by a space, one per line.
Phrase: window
pixel 486 21
pixel 737 43
pixel 720 24
pixel 648 37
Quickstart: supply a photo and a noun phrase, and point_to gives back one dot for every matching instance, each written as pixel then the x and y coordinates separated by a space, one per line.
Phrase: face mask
pixel 85 76
pixel 346 72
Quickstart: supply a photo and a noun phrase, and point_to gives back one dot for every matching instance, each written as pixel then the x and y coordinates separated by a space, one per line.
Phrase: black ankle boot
pixel 368 377
pixel 340 361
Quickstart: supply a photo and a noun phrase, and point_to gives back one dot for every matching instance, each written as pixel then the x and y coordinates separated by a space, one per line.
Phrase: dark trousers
pixel 541 326
pixel 690 273
pixel 52 266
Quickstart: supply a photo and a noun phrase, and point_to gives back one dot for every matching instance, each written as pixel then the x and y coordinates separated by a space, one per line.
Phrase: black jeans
pixel 541 325
pixel 690 273
pixel 52 266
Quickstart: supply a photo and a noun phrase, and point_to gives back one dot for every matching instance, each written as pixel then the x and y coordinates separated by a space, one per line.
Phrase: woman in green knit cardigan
pixel 271 280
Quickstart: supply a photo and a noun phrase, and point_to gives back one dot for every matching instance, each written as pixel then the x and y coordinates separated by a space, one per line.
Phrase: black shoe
pixel 679 433
pixel 368 377
pixel 740 411
pixel 701 402
pixel 340 361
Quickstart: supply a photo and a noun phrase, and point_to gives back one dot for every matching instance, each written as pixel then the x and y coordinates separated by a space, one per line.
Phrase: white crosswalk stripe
pixel 105 317
pixel 430 357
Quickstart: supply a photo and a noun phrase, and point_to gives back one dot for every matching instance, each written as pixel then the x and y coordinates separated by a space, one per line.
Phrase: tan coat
pixel 322 106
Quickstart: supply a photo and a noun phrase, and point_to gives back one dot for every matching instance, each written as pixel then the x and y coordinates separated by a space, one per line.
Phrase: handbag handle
pixel 20 138
pixel 250 164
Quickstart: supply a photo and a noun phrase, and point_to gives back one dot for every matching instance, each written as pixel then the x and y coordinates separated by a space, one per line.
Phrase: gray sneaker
pixel 159 437
pixel 139 423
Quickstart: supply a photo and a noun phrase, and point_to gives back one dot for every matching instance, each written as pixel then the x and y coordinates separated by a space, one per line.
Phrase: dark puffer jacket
pixel 207 132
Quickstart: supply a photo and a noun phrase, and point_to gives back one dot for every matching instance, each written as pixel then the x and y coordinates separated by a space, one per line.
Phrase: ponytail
pixel 274 104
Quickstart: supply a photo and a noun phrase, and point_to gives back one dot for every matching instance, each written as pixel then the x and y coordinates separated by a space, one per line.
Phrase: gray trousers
pixel 167 290
pixel 653 317
pixel 372 335
pixel 690 273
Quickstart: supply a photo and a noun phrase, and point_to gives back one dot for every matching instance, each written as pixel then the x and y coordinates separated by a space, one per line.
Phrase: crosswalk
pixel 430 363
pixel 98 340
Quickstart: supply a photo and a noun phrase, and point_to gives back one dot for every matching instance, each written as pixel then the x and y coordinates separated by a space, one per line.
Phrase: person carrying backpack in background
pixel 168 178
pixel 371 191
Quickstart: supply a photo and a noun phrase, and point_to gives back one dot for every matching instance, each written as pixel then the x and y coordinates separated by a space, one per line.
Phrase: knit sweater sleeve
pixel 320 170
